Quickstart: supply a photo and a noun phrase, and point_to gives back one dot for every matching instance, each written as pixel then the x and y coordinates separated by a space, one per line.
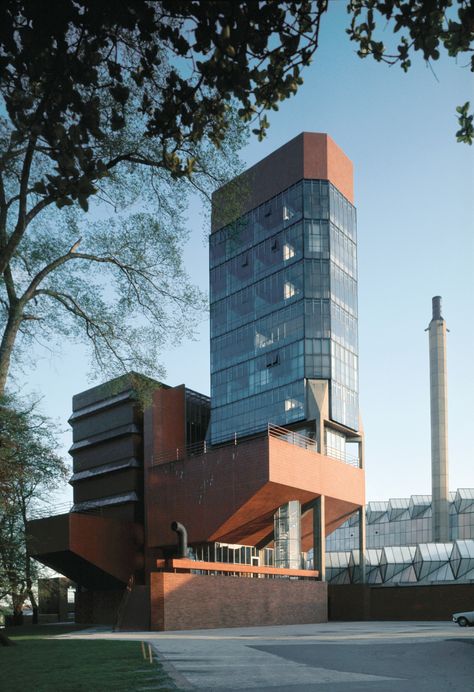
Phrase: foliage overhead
pixel 420 25
pixel 67 75
pixel 134 103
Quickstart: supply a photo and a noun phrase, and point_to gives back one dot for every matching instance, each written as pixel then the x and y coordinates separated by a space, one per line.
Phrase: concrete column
pixel 362 544
pixel 439 425
pixel 319 536
pixel 362 452
pixel 287 525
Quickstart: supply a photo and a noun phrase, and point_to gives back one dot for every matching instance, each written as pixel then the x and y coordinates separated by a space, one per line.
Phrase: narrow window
pixel 272 359
pixel 289 290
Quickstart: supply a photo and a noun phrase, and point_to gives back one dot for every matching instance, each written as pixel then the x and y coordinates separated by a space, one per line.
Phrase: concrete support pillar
pixel 319 536
pixel 361 513
pixel 287 525
pixel 362 452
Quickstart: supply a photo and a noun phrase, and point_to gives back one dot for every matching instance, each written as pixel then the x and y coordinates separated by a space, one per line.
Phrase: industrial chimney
pixel 439 425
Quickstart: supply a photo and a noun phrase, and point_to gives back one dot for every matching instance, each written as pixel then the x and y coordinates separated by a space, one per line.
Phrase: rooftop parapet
pixel 309 155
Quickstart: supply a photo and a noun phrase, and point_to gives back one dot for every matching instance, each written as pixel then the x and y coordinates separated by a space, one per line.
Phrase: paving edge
pixel 182 683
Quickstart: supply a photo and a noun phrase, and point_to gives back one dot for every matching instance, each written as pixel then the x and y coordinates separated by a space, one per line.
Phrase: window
pixel 262 340
pixel 289 290
pixel 272 359
pixel 288 251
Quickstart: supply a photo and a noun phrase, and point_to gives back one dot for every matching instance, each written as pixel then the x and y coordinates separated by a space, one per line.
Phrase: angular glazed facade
pixel 401 547
pixel 283 286
pixel 406 521
pixel 426 564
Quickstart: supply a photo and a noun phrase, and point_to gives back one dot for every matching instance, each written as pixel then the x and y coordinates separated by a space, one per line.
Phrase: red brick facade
pixel 310 155
pixel 436 602
pixel 231 493
pixel 194 601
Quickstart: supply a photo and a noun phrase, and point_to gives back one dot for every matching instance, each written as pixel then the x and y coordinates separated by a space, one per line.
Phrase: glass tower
pixel 283 290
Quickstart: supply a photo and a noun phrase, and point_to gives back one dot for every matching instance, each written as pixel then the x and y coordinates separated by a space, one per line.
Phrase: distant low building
pixel 400 547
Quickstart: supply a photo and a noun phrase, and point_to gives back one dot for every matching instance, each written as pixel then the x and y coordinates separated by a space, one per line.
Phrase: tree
pixel 29 470
pixel 122 101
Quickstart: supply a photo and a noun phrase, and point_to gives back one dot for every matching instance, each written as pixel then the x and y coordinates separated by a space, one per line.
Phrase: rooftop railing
pixel 49 510
pixel 274 431
pixel 342 456
pixel 46 511
pixel 234 570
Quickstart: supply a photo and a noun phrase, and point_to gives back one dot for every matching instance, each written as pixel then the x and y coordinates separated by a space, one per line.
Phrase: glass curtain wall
pixel 405 521
pixel 283 290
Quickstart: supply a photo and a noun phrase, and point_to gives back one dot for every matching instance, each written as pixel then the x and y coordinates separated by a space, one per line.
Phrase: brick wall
pixel 311 155
pixel 193 601
pixel 98 607
pixel 436 602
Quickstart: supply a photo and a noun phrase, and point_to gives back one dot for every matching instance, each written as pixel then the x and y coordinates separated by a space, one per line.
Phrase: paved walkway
pixel 359 656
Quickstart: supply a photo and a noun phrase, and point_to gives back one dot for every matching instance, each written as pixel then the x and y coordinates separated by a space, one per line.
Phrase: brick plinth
pixel 194 601
pixel 363 602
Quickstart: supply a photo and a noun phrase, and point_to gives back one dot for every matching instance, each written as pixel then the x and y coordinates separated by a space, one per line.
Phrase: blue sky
pixel 414 195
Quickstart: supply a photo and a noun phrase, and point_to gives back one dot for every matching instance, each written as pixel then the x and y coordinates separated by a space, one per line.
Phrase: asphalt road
pixel 356 656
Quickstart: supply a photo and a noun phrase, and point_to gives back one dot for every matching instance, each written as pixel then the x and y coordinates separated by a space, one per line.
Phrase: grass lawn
pixel 41 663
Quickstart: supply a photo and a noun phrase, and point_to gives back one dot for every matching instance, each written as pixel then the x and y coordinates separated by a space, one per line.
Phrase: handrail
pixel 291 436
pixel 61 508
pixel 335 453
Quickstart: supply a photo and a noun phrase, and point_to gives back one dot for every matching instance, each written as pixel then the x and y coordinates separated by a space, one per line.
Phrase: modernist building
pixel 280 465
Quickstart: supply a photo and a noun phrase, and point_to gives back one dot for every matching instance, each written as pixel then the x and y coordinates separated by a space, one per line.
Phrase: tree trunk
pixel 6 346
pixel 18 600
pixel 34 605
pixel 5 641
pixel 17 618
pixel 28 570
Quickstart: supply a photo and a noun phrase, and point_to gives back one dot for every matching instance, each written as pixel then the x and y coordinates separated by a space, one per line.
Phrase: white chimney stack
pixel 439 425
